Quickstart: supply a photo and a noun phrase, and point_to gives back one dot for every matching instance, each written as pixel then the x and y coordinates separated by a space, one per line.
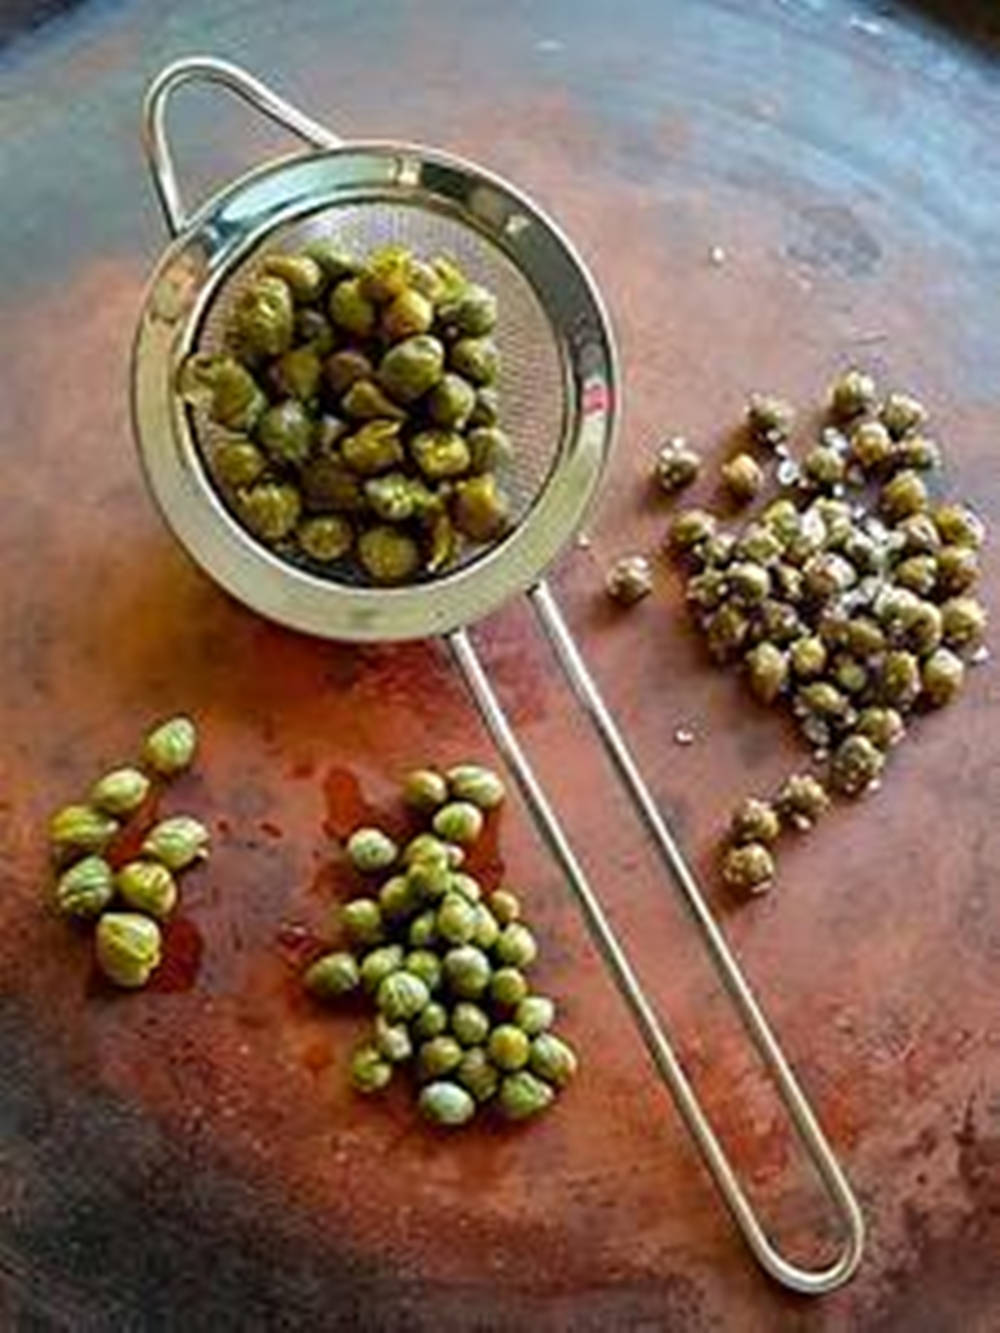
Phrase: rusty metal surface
pixel 188 1157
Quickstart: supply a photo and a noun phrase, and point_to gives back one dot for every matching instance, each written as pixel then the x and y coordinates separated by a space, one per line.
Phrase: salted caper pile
pixel 445 965
pixel 360 404
pixel 128 901
pixel 855 611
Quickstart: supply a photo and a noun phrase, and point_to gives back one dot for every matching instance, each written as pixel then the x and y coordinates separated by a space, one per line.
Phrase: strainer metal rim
pixel 216 240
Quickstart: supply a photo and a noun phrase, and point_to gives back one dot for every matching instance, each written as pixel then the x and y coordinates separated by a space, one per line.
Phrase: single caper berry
pixel 852 393
pixel 128 948
pixel 523 1095
pixel 827 574
pixel 80 828
pixel 397 899
pixel 170 747
pixel 392 1040
pixel 425 847
pixel 459 821
pixel 717 550
pixel 298 373
pixel 677 465
pixel 769 418
pixel 758 543
pixel 742 477
pixel 370 1071
pixel 425 789
pixel 451 402
pixel 883 726
pixel 407 314
pixel 86 888
pixel 508 1047
pixel 823 466
pixel 351 309
pixel 467 971
pixel 707 590
pixel 690 528
pixel 749 868
pixel 470 1023
pixel 553 1059
pixel 473 312
pixel 801 800
pixel 958 569
pixel 849 674
pixel 423 932
pixel 864 637
pixel 432 1021
pixel 942 676
pixel 535 1014
pixel 467 886
pixel 426 965
pixel 726 630
pixel 959 526
pixel 325 537
pixel 905 494
pixel 629 579
pixel 487 409
pixel 445 1103
pixel 516 946
pixel 472 782
pixel 428 880
pixel 963 622
pixel 456 919
pixel 823 699
pixel 373 448
pixel 285 432
pixel 477 359
pixel 370 850
pixel 899 680
pixel 147 886
pixel 901 414
pixel 487 929
pixel 120 792
pixel 767 668
pixel 301 272
pixel 919 452
pixel 263 318
pixel 362 919
pixel 345 368
pixel 238 462
pixel 808 656
pixel 388 556
pixel 365 401
pixel 754 820
pixel 331 976
pixel 270 509
pixel 508 986
pixel 178 842
pixel 748 582
pixel 438 1056
pixel 380 963
pixel 477 1074
pixel 856 764
pixel 401 996
pixel 314 330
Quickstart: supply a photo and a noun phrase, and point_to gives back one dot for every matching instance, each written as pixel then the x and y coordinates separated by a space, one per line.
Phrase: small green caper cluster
pixel 445 965
pixel 748 861
pixel 128 898
pixel 855 611
pixel 360 404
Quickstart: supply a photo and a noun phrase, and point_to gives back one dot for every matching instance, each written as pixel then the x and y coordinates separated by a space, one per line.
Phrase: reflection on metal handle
pixel 809 1281
pixel 207 69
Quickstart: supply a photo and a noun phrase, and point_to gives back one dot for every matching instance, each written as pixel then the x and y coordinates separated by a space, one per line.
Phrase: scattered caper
pixel 535 1014
pixel 128 948
pixel 808 656
pixel 748 582
pixel 120 792
pixel 362 919
pixel 508 1047
pixel 370 1070
pixel 901 414
pixel 898 680
pixel 447 1104
pixel 370 850
pixel 477 1074
pixel 959 526
pixel 505 906
pixel 905 494
pixel 331 976
pixel 677 465
pixel 691 527
pixel 942 676
pixel 438 1056
pixel 749 868
pixel 86 888
pixel 459 821
pixel 823 466
pixel 431 1022
pixel 392 1040
pixel 553 1059
pixel 742 477
pixel 919 573
pixel 958 569
pixel 425 789
pixel 769 418
pixel 801 800
pixel 523 1095
pixel 856 764
pixel 467 971
pixel 629 579
pixel 77 829
pixel 754 821
pixel 767 668
pixel 918 452
pixel 516 946
pixel 178 842
pixel 963 622
pixel 851 394
pixel 401 995
pixel 469 1023
pixel 426 965
pixel 883 726
pixel 508 986
pixel 147 886
pixel 380 963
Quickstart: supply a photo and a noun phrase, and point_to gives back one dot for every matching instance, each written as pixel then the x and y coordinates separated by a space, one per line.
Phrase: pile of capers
pixel 359 401
pixel 853 610
pixel 445 965
pixel 129 902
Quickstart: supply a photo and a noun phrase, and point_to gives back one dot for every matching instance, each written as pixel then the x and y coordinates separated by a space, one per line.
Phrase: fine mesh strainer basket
pixel 560 406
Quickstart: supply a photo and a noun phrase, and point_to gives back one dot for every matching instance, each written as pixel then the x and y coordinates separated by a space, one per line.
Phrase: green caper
pixel 516 946
pixel 749 583
pixel 304 276
pixel 899 680
pixel 80 828
pixel 345 368
pixel 958 569
pixel 487 928
pixel 864 552
pixel 313 329
pixel 238 462
pixel 333 259
pixel 424 278
pixel 431 1022
pixel 438 1056
pixel 177 842
pixel 374 448
pixel 918 452
pixel 852 393
pixel 370 1071
pixel 407 314
pixel 445 1103
pixel 535 1014
pixel 370 850
pixel 425 789
pixel 865 637
pixel 380 963
pixel 901 414
pixel 472 313
pixel 758 543
pixel 553 1059
pixel 690 528
pixel 466 886
pixel 923 628
pixel 120 792
pixel 237 401
pixel 742 477
pixel 489 449
pixel 362 919
pixel 769 418
pixel 329 431
pixel 331 976
pixel 270 509
pixel 263 318
pixel 942 676
pixel 469 1023
pixel 451 402
pixel 477 1074
pixel 754 821
pixel 827 574
pixel 802 800
pixel 426 965
pixel 459 821
pixel 963 622
pixel 297 374
pixel 487 409
pixel 508 986
pixel 147 886
pixel 392 1040
pixel 388 556
pixel 523 1095
pixel 883 726
pixel 171 747
pixel 429 880
pixel 726 631
pixel 677 465
pixel 456 919
pixel 508 1047
pixel 397 899
pixel 394 497
pixel 467 971
pixel 905 494
pixel 365 401
pixel 423 930
pixel 401 996
pixel 849 674
pixel 440 453
pixel 823 466
pixel 128 948
pixel 856 764
pixel 822 699
pixel 285 431
pixel 451 281
pixel 505 906
pixel 426 847
pixel 748 868
pixel 473 782
pixel 777 621
pixel 86 888
pixel 481 510
pixel 959 526
pixel 411 367
pixel 325 537
pixel 385 274
pixel 767 668
pixel 328 484
pixel 477 359
pixel 351 309
pixel 808 656
pixel 707 590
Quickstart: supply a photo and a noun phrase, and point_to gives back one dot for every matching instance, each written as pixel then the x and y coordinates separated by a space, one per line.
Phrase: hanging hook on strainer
pixel 558 360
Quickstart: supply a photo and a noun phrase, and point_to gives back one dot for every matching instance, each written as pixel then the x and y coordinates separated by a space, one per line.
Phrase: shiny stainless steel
pixel 374 192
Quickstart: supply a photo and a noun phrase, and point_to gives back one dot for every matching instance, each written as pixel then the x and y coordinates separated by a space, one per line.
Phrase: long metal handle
pixel 813 1282
pixel 206 69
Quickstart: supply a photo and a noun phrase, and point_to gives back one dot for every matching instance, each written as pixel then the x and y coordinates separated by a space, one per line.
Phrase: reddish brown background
pixel 188 1158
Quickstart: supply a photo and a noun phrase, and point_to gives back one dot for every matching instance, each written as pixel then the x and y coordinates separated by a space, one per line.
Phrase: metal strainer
pixel 559 402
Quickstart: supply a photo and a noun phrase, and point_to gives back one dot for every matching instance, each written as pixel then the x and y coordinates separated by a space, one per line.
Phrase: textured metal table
pixel 188 1157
